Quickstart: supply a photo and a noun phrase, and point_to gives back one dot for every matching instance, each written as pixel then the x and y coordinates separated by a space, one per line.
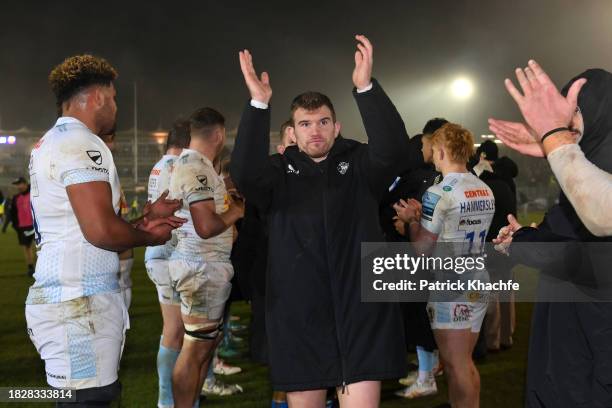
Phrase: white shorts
pixel 456 315
pixel 203 287
pixel 125 273
pixel 158 272
pixel 80 340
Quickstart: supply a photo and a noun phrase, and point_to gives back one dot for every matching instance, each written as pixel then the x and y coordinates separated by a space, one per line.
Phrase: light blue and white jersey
pixel 159 181
pixel 68 266
pixel 194 179
pixel 459 209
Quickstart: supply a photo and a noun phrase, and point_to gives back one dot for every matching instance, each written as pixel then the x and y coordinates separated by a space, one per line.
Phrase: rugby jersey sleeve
pixel 196 182
pixel 434 209
pixel 79 158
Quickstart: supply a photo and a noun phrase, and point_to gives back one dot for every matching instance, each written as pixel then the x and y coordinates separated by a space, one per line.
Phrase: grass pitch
pixel 502 374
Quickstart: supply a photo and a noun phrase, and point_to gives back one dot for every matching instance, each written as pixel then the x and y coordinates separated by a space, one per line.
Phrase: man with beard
pixel 75 312
pixel 320 199
pixel 571 346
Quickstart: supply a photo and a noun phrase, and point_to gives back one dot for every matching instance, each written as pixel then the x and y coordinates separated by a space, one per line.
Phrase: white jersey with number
pixel 195 179
pixel 68 266
pixel 459 209
pixel 159 181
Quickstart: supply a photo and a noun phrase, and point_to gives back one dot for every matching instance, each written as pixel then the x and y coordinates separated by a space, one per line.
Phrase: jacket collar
pixel 340 146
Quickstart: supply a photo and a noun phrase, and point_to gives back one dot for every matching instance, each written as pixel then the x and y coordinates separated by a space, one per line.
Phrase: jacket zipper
pixel 331 280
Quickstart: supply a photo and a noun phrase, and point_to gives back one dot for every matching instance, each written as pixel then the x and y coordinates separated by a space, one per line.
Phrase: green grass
pixel 502 374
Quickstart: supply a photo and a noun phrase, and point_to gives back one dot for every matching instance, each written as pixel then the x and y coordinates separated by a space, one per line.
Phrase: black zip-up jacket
pixel 320 333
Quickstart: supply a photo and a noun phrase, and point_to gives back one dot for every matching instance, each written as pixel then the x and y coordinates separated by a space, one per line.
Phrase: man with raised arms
pixel 320 199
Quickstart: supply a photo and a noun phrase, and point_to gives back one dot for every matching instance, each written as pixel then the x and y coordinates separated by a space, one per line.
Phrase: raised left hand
pixel 517 136
pixel 364 60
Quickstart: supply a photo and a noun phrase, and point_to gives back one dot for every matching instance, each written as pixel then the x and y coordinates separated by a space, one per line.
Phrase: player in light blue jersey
pixel 458 211
pixel 75 312
pixel 200 266
pixel 156 262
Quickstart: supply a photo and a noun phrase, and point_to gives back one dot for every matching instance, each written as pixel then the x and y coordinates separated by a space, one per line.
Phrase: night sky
pixel 184 54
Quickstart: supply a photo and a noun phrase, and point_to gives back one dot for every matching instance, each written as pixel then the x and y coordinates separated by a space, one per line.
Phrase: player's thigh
pixel 80 340
pixel 363 394
pixel 307 399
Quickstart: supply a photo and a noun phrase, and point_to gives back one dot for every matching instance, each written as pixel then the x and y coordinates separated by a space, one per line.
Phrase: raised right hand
pixel 259 87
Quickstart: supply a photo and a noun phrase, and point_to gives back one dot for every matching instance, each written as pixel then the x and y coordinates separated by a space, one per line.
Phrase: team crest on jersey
pixel 343 167
pixel 292 170
pixel 95 156
pixel 203 180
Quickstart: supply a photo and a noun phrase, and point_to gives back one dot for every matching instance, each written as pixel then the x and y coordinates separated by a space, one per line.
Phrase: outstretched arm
pixel 588 188
pixel 251 169
pixel 389 150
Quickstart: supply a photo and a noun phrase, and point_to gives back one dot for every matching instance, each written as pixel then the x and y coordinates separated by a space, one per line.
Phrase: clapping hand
pixel 259 87
pixel 517 136
pixel 162 207
pixel 364 60
pixel 542 105
pixel 504 236
pixel 408 211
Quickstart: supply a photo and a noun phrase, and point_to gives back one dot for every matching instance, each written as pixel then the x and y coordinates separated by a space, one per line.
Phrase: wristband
pixel 551 132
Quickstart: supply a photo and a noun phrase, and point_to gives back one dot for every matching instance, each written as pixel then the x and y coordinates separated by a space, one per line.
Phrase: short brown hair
pixel 78 72
pixel 311 101
pixel 179 135
pixel 458 141
pixel 204 120
pixel 283 128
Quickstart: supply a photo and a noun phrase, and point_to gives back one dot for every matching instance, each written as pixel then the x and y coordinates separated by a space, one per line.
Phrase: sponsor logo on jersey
pixel 465 222
pixel 100 169
pixel 430 200
pixel 155 172
pixel 476 193
pixel 447 188
pixel 292 170
pixel 95 156
pixel 343 167
pixel 477 206
pixel 462 313
pixel 56 376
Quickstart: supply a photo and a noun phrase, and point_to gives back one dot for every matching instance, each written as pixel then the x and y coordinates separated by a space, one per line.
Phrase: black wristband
pixel 550 132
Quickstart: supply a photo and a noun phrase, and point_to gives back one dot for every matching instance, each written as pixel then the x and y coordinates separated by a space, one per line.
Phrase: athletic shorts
pixel 25 236
pixel 158 272
pixel 203 287
pixel 80 340
pixel 456 315
pixel 125 273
